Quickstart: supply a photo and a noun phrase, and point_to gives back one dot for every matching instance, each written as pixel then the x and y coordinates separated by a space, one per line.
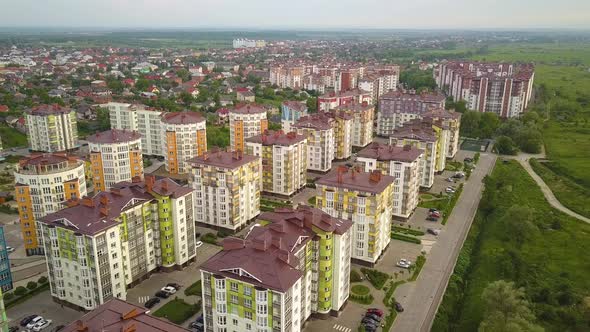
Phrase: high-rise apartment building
pixel 99 246
pixel 295 265
pixel 284 161
pixel 362 122
pixel 185 138
pixel 450 120
pixel 319 130
pixel 5 274
pixel 404 165
pixel 331 100
pixel 287 76
pixel 379 83
pixel 366 199
pixel 245 121
pixel 501 88
pixel 398 107
pixel 115 156
pixel 43 183
pixel 3 319
pixel 291 111
pixel 227 188
pixel 343 126
pixel 51 128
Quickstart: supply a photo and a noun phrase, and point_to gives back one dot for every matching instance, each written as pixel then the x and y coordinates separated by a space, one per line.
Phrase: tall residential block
pixel 51 128
pixel 380 82
pixel 43 182
pixel 185 138
pixel 331 100
pixel 115 156
pixel 319 130
pixel 100 246
pixel 245 121
pixel 291 111
pixel 398 107
pixel 404 165
pixel 3 319
pixel 284 161
pixel 365 198
pixel 5 273
pixel 450 120
pixel 363 116
pixel 140 118
pixel 294 266
pixel 227 188
pixel 343 126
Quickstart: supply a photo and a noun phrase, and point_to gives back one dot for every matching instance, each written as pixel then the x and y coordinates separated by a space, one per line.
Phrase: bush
pixel 505 145
pixel 31 285
pixel 362 299
pixel 360 290
pixel 224 233
pixel 355 276
pixel 194 289
pixel 209 238
pixel 418 267
pixel 8 296
pixel 405 237
pixel 407 231
pixel 376 278
pixel 20 291
pixel 42 280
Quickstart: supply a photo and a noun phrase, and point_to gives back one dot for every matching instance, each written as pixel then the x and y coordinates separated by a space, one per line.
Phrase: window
pixel 248 303
pixel 248 315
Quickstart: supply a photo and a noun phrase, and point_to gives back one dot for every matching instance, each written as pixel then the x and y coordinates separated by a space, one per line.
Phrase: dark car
pixel 199 326
pixel 432 218
pixel 199 319
pixel 173 284
pixel 151 302
pixel 370 325
pixel 27 320
pixel 13 329
pixel 374 317
pixel 162 294
pixel 432 210
pixel 58 328
pixel 468 160
pixel 370 321
pixel 375 311
pixel 399 307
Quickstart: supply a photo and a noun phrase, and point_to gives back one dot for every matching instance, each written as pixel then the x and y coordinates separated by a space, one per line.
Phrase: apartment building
pixel 332 100
pixel 291 111
pixel 319 130
pixel 5 274
pixel 403 164
pixel 398 107
pixel 185 138
pixel 248 43
pixel 4 325
pixel 432 137
pixel 227 188
pixel 379 83
pixel 100 246
pixel 115 156
pixel 287 76
pixel 245 121
pixel 51 128
pixel 284 161
pixel 140 118
pixel 450 120
pixel 501 88
pixel 365 199
pixel 43 183
pixel 343 126
pixel 294 266
pixel 363 116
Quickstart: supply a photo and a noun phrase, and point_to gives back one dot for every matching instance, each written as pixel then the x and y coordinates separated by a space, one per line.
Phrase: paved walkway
pixel 422 298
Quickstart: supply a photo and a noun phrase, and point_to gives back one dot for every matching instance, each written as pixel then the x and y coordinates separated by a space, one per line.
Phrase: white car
pixel 34 322
pixel 450 190
pixel 198 244
pixel 404 263
pixel 169 289
pixel 41 325
pixel 9 249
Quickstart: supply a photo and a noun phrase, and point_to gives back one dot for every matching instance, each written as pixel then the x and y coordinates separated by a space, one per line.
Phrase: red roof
pixel 3 108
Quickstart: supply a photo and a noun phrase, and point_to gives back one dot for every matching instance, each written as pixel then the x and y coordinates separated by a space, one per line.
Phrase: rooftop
pixel 295 105
pixel 114 136
pixel 434 97
pixel 441 113
pixel 48 110
pixel 416 129
pixel 182 117
pixel 385 152
pixel 277 138
pixel 355 107
pixel 319 121
pixel 349 178
pixel 223 159
pixel 248 109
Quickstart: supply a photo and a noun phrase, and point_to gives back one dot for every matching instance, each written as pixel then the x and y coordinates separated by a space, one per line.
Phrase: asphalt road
pixel 422 301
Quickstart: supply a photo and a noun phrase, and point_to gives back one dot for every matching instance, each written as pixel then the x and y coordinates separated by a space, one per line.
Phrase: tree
pixel 102 115
pixel 184 74
pixel 506 309
pixel 505 145
pixel 519 219
pixel 31 285
pixel 488 124
pixel 312 104
pixel 470 124
pixel 186 98
pixel 142 84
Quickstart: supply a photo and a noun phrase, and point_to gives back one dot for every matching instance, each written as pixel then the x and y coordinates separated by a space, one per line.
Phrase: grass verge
pixel 177 311
pixel 194 289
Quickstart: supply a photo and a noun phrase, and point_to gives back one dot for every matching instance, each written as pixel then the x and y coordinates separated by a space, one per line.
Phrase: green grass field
pixel 11 137
pixel 177 311
pixel 548 257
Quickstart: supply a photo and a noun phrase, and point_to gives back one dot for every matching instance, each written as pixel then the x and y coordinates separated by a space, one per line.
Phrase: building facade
pixel 185 138
pixel 363 116
pixel 366 200
pixel 403 164
pixel 51 128
pixel 5 273
pixel 291 111
pixel 319 130
pixel 284 161
pixel 379 83
pixel 99 246
pixel 287 76
pixel 245 121
pixel 398 107
pixel 451 121
pixel 295 265
pixel 227 188
pixel 343 126
pixel 330 101
pixel 140 118
pixel 43 183
pixel 3 319
pixel 115 156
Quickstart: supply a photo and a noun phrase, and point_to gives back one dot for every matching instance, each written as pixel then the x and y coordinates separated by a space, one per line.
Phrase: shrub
pixel 408 231
pixel 20 291
pixel 42 280
pixel 360 289
pixel 8 296
pixel 376 278
pixel 209 238
pixel 31 285
pixel 223 233
pixel 405 237
pixel 355 276
pixel 194 289
pixel 418 267
pixel 362 299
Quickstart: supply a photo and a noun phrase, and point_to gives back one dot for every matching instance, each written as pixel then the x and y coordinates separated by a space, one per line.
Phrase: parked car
pixel 370 325
pixel 173 284
pixel 199 326
pixel 34 322
pixel 435 214
pixel 459 175
pixel 450 190
pixel 375 311
pixel 42 325
pixel 433 231
pixel 431 218
pixel 25 321
pixel 152 302
pixel 468 160
pixel 374 317
pixel 161 294
pixel 370 321
pixel 399 307
pixel 169 289
pixel 451 180
pixel 9 249
pixel 404 263
pixel 198 244
pixel 432 210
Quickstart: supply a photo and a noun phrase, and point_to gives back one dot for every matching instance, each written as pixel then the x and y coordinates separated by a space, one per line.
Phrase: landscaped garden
pixel 178 311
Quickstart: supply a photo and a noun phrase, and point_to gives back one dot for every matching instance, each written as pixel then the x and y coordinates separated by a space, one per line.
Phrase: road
pixel 423 297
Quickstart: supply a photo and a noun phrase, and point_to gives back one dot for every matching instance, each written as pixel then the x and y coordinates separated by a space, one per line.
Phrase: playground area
pixel 476 145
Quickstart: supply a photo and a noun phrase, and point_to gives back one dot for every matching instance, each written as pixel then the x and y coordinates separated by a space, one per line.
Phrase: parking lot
pixel 43 305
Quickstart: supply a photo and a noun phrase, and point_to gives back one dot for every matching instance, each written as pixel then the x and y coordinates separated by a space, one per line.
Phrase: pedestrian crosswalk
pixel 143 299
pixel 341 328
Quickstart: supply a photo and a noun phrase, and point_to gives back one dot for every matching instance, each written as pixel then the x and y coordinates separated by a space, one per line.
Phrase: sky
pixel 310 14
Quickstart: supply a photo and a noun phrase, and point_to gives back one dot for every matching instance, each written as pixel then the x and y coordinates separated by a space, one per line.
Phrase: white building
pixel 248 43
pixel 51 128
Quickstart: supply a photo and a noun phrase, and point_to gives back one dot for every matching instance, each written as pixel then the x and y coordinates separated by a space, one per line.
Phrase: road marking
pixel 341 328
pixel 143 299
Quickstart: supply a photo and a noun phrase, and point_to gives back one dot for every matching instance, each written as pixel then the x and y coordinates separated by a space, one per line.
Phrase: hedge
pixel 194 289
pixel 408 231
pixel 355 276
pixel 418 267
pixel 451 205
pixel 376 278
pixel 362 299
pixel 405 237
pixel 209 238
pixel 12 299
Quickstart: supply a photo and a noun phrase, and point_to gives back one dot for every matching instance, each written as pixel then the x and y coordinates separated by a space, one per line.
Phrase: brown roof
pixel 182 117
pixel 416 129
pixel 248 109
pixel 116 315
pixel 114 136
pixel 441 113
pixel 48 110
pixel 223 159
pixel 162 187
pixel 354 107
pixel 318 121
pixel 46 159
pixel 385 152
pixel 371 182
pixel 425 96
pixel 277 138
pixel 295 105
pixel 267 253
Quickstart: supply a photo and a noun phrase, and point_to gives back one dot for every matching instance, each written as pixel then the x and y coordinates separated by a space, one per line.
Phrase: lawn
pixel 11 137
pixel 194 289
pixel 177 311
pixel 360 289
pixel 546 255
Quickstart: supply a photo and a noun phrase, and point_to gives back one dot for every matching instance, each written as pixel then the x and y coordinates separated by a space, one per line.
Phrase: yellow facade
pixel 97 171
pixel 201 142
pixel 26 216
pixel 172 153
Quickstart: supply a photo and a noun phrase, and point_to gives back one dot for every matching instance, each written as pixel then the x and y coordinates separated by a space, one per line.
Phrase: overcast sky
pixel 311 14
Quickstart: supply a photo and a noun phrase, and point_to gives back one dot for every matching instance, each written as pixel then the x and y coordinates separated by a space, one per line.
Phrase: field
pixel 518 237
pixel 11 137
